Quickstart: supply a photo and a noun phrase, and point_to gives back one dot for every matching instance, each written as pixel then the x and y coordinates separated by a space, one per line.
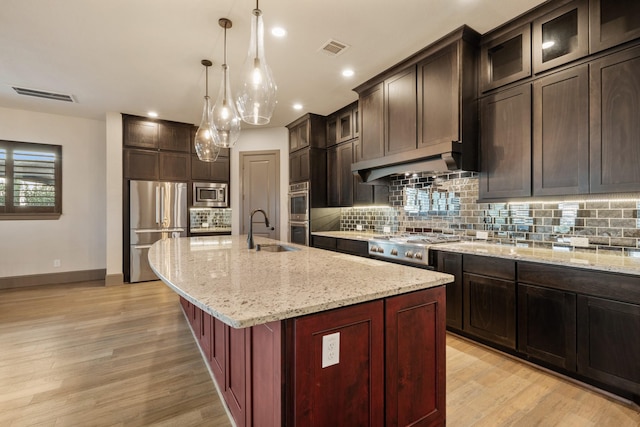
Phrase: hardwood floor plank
pixel 85 354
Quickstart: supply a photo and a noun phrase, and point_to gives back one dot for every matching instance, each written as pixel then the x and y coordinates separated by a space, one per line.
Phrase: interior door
pixel 260 189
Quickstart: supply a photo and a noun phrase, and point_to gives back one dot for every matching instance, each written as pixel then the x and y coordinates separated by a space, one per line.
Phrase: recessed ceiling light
pixel 348 72
pixel 278 31
pixel 297 106
pixel 152 114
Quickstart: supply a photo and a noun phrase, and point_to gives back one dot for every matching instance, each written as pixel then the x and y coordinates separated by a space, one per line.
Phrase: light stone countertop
pixel 601 261
pixel 243 287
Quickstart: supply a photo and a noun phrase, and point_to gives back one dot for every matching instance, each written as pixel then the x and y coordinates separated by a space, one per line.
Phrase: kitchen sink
pixel 275 248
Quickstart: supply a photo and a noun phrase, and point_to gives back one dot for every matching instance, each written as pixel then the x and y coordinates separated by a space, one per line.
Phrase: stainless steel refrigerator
pixel 157 210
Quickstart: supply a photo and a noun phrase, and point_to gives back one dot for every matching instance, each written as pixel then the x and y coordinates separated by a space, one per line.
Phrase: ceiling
pixel 135 56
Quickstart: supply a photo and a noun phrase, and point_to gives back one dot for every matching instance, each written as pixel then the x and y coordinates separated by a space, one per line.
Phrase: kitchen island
pixel 309 337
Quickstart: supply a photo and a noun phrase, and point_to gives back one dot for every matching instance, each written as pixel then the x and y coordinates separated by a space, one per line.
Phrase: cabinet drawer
pixel 489 266
pixel 324 242
pixel 607 285
pixel 355 247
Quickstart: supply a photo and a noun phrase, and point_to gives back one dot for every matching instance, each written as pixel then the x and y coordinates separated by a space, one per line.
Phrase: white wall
pixel 259 140
pixel 77 239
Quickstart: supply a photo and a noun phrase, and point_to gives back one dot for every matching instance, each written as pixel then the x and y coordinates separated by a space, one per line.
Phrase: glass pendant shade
pixel 257 96
pixel 205 141
pixel 224 114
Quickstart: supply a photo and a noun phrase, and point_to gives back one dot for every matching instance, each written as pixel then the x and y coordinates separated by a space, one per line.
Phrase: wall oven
pixel 299 213
pixel 299 201
pixel 210 194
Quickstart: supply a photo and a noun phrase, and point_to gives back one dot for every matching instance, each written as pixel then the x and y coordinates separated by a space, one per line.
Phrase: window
pixel 30 180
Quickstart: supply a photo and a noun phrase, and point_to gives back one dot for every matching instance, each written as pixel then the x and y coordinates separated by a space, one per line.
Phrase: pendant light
pixel 225 116
pixel 257 97
pixel 205 140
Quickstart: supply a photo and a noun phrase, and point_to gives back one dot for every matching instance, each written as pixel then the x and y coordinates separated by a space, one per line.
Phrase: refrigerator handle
pixel 157 205
pixel 162 217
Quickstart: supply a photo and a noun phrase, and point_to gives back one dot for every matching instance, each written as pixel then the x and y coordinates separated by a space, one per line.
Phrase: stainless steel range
pixel 408 249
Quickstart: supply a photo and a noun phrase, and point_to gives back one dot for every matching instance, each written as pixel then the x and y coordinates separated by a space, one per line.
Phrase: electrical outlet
pixel 359 227
pixel 56 263
pixel 580 242
pixel 386 229
pixel 330 350
pixel 482 235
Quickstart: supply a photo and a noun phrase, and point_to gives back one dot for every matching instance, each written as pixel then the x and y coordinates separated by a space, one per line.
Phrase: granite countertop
pixel 243 287
pixel 574 258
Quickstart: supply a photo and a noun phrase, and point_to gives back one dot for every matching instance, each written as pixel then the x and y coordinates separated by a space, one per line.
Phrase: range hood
pixel 429 159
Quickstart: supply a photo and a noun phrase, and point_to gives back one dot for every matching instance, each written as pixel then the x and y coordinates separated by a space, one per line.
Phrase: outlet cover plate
pixel 580 242
pixel 330 350
pixel 482 235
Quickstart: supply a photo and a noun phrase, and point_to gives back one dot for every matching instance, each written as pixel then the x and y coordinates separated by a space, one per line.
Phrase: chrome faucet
pixel 250 236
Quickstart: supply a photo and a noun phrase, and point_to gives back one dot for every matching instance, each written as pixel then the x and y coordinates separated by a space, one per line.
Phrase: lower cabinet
pixel 451 263
pixel 348 246
pixel 490 299
pixel 608 342
pixel 372 364
pixel 547 325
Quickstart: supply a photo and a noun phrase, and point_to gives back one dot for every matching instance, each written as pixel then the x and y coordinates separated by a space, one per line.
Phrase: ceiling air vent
pixel 43 94
pixel 334 47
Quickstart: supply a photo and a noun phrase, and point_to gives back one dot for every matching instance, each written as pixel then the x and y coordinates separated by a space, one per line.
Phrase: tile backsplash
pixel 448 203
pixel 213 218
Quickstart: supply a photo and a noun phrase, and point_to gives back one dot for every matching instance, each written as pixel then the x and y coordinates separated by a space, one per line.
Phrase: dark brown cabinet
pixel 608 344
pixel 339 176
pixel 299 166
pixel 505 58
pixel 547 325
pixel 505 144
pixel 332 130
pixel 217 171
pixel 400 103
pixel 174 136
pixel 561 133
pixel 154 165
pixel 614 125
pixel 174 166
pixel 371 107
pixel 561 36
pixel 613 22
pixel 139 132
pixel 307 131
pixel 490 299
pixel 451 263
pixel 353 247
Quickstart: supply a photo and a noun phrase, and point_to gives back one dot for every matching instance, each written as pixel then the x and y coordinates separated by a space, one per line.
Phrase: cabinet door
pixel 561 36
pixel 206 334
pixel 547 325
pixel 349 392
pixel 505 144
pixel 506 59
pixel 294 139
pixel 561 133
pixel 452 264
pixel 400 109
pixel 140 133
pixel 332 130
pixel 439 98
pixel 490 309
pixel 220 170
pixel 613 22
pixel 614 125
pixel 237 373
pixel 345 126
pixel 362 193
pixel 303 134
pixel 174 137
pixel 414 358
pixel 345 158
pixel 218 352
pixel 175 166
pixel 333 177
pixel 141 164
pixel 371 106
pixel 608 344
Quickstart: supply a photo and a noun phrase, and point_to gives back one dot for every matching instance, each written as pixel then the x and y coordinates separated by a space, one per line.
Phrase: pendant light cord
pixel 224 66
pixel 257 12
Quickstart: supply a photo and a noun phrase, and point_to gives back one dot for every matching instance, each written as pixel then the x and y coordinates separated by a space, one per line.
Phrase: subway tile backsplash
pixel 448 203
pixel 212 217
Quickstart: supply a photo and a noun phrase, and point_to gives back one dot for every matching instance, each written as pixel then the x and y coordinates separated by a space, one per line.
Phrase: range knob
pixel 408 254
pixel 380 250
pixel 394 252
pixel 374 249
pixel 418 255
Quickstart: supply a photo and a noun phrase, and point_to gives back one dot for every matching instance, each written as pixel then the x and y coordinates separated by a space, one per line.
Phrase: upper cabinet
pixel 423 106
pixel 613 22
pixel 505 58
pixel 307 131
pixel 561 36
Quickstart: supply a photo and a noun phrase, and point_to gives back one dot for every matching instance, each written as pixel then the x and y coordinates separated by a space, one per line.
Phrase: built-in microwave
pixel 299 202
pixel 210 194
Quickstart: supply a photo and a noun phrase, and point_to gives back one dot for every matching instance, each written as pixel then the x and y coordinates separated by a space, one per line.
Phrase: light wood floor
pixel 86 355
